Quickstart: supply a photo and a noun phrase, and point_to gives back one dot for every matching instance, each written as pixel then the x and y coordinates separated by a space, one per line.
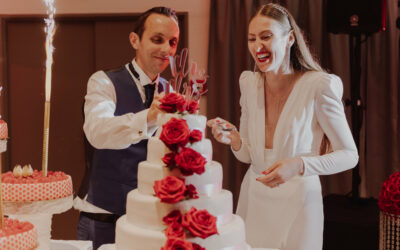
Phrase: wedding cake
pixel 179 202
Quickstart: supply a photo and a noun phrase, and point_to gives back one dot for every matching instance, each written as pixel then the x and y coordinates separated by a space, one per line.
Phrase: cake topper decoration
pixel 197 77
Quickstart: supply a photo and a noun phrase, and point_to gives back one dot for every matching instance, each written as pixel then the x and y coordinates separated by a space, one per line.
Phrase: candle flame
pixel 49 30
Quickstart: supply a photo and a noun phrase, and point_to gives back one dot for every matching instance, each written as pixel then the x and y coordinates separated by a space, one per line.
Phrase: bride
pixel 292 129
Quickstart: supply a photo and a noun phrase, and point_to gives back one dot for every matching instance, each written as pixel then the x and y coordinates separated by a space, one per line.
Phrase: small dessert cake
pixel 17 235
pixel 25 184
pixel 3 136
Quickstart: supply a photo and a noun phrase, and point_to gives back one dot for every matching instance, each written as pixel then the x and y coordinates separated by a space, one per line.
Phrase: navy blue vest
pixel 114 172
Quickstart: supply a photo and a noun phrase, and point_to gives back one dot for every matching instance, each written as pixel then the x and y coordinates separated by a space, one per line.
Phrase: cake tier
pixel 17 235
pixel 56 185
pixel 128 236
pixel 208 183
pixel 157 150
pixel 147 211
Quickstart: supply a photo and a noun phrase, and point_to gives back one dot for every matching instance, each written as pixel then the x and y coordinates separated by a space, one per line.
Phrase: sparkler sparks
pixel 49 30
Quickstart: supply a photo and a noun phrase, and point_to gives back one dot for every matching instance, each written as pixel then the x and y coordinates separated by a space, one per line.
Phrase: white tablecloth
pixel 87 245
pixel 70 245
pixel 112 247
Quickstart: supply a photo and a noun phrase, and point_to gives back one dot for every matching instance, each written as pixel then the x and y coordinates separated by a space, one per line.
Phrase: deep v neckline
pixel 283 111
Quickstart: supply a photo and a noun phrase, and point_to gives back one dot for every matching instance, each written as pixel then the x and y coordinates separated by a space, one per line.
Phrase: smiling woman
pixel 289 105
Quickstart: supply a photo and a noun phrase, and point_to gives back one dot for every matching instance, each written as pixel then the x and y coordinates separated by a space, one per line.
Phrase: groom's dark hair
pixel 139 25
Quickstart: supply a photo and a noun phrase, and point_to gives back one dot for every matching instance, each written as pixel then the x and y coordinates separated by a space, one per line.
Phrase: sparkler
pixel 49 30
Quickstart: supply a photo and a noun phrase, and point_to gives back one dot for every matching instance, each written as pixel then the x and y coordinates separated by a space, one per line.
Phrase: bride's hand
pixel 225 132
pixel 281 171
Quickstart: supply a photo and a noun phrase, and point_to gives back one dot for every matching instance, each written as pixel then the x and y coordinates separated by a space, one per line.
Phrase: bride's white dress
pixel 276 217
pixel 290 217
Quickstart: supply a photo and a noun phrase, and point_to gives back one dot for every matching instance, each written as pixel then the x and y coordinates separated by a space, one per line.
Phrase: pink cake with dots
pixel 17 235
pixel 36 187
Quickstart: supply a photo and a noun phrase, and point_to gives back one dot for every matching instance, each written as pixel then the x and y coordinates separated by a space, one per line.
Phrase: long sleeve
pixel 243 154
pixel 101 127
pixel 330 115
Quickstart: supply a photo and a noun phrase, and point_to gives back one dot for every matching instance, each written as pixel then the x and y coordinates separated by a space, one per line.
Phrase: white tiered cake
pixel 143 226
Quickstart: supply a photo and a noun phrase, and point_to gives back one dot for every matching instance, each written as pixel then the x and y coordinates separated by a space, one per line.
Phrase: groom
pixel 121 109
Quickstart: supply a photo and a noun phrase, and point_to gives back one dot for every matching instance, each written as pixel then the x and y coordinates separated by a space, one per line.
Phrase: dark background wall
pixel 83 44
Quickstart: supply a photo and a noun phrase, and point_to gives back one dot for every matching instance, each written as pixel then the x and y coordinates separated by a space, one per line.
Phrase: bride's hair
pixel 301 58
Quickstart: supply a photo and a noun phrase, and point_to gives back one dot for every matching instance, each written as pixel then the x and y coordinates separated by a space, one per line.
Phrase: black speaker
pixel 355 16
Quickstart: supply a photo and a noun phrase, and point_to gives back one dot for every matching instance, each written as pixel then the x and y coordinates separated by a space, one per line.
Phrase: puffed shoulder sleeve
pixel 330 115
pixel 243 154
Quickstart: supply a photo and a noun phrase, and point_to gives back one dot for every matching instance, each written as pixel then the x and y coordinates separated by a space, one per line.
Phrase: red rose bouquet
pixel 389 197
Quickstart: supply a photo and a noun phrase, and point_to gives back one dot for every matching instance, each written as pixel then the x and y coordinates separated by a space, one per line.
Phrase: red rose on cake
pixel 200 223
pixel 177 244
pixel 197 247
pixel 389 197
pixel 174 216
pixel 171 189
pixel 175 133
pixel 192 106
pixel 175 230
pixel 173 102
pixel 195 136
pixel 191 192
pixel 169 161
pixel 190 161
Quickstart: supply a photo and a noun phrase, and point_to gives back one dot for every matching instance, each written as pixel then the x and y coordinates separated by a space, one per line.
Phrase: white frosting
pixel 230 236
pixel 207 183
pixel 148 211
pixel 198 122
pixel 204 147
pixel 156 150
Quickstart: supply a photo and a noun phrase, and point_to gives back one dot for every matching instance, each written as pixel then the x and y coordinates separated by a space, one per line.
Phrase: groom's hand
pixel 154 109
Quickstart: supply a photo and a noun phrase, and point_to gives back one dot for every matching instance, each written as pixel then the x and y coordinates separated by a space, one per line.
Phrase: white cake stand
pixel 39 213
